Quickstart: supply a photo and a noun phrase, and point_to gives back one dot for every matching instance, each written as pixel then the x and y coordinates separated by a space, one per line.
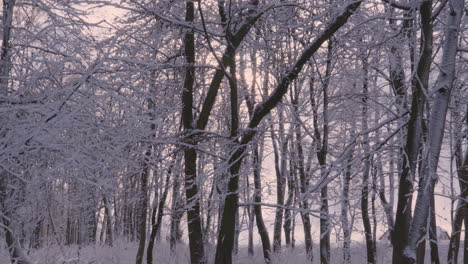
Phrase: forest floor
pixel 124 253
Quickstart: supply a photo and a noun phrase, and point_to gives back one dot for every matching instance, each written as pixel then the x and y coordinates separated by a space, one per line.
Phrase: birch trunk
pixel 345 224
pixel 280 170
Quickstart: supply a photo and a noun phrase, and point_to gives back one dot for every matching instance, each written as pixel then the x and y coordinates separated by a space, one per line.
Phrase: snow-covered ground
pixel 124 253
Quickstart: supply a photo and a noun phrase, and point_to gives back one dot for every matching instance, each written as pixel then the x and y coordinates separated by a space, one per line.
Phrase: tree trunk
pixel 413 138
pixel 454 245
pixel 109 236
pixel 210 207
pixel 303 178
pixel 251 215
pixel 371 251
pixel 262 230
pixel 436 128
pixel 322 151
pixel 288 215
pixel 280 170
pixel 16 254
pixel 197 251
pixel 157 220
pixel 433 235
pixel 345 225
pixel 461 161
pixel 465 242
pixel 143 209
pixel 5 56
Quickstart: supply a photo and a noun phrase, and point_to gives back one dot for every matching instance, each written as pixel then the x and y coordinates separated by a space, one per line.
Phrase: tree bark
pixel 433 234
pixel 345 225
pixel 322 151
pixel 371 251
pixel 304 188
pixel 454 245
pixel 461 162
pixel 109 236
pixel 413 138
pixel 288 215
pixel 5 56
pixel 157 220
pixel 436 128
pixel 262 230
pixel 143 208
pixel 280 170
pixel 197 251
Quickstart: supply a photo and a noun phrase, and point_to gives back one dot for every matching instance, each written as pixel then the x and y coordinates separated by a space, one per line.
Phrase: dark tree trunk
pixel 288 215
pixel 197 251
pixel 303 179
pixel 421 252
pixel 371 251
pixel 465 242
pixel 433 236
pixel 280 170
pixel 454 245
pixel 5 54
pixel 109 233
pixel 210 207
pixel 461 214
pixel 226 231
pixel 193 212
pixel 442 92
pixel 250 246
pixel 324 227
pixel 157 220
pixel 413 138
pixel 262 230
pixel 143 209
